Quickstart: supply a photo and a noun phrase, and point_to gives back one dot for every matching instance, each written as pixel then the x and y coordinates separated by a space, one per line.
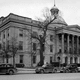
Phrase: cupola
pixel 54 10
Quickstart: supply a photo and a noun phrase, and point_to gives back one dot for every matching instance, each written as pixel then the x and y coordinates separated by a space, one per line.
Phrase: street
pixel 30 75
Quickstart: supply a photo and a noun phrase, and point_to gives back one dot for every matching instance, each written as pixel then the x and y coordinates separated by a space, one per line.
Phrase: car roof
pixel 5 63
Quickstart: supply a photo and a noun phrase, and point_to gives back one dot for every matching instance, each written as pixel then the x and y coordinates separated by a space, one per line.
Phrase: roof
pixel 59 20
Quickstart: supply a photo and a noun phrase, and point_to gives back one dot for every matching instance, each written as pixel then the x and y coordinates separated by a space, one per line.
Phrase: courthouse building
pixel 62 41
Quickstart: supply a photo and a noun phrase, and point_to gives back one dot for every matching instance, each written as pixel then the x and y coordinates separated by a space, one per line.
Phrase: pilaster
pixel 77 44
pixel 68 43
pixel 62 43
pixel 73 43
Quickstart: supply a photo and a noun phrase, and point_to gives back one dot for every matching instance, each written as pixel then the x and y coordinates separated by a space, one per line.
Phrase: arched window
pixel 66 60
pixel 58 59
pixel 75 59
pixel 71 60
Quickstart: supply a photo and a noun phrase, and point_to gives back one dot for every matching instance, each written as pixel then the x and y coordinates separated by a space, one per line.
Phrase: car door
pixel 48 69
pixel 3 68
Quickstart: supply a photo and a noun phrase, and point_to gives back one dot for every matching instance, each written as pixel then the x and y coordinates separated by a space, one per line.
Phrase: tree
pixel 43 25
pixel 5 51
pixel 13 47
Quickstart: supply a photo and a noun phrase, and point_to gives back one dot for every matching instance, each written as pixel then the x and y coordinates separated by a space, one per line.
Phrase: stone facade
pixel 62 42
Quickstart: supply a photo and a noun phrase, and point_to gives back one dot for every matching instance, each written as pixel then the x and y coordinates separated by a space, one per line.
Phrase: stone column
pixel 77 44
pixel 78 60
pixel 73 43
pixel 68 43
pixel 68 60
pixel 56 45
pixel 62 43
pixel 56 38
pixel 73 60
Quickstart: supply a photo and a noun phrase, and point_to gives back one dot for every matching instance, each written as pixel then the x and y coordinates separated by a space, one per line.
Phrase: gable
pixel 74 27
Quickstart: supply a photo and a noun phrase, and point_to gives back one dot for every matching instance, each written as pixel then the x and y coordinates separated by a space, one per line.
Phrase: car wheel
pixel 42 71
pixel 64 71
pixel 11 72
pixel 67 71
pixel 37 72
pixel 55 71
pixel 76 70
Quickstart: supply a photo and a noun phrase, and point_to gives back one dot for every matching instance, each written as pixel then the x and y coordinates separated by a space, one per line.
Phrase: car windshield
pixel 44 65
pixel 9 65
pixel 3 65
pixel 68 66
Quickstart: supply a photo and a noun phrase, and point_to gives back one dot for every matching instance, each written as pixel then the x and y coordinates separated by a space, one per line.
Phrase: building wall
pixel 18 24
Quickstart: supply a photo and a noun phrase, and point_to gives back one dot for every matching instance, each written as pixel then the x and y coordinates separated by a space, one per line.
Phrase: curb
pixel 24 69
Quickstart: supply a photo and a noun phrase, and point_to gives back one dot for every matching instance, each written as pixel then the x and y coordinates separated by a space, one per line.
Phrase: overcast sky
pixel 33 8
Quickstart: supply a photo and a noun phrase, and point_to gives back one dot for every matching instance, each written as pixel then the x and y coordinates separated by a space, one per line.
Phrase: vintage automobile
pixel 57 67
pixel 7 69
pixel 44 69
pixel 70 68
pixel 54 67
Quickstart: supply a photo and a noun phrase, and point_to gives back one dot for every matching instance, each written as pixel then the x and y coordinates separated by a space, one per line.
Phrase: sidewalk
pixel 26 69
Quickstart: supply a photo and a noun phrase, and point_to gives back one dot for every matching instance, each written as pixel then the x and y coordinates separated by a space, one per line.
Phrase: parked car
pixel 78 65
pixel 20 65
pixel 57 66
pixel 54 67
pixel 7 69
pixel 70 68
pixel 44 69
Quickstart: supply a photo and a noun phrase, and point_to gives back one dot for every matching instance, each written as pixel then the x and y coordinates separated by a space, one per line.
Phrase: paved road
pixel 30 75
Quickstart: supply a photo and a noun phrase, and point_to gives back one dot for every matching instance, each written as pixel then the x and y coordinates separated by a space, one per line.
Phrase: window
pixel 59 50
pixel 34 34
pixel 3 65
pixel 20 45
pixel 7 32
pixel 34 59
pixel 51 59
pixel 9 65
pixel 51 37
pixel 0 36
pixel 44 57
pixel 20 32
pixel 0 46
pixel 8 44
pixel 4 35
pixel 4 45
pixel 51 48
pixel 21 58
pixel 34 46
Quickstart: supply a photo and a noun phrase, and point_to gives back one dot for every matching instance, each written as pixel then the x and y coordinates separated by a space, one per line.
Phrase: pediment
pixel 74 27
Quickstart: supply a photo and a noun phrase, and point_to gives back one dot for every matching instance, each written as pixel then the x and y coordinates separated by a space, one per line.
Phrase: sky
pixel 70 9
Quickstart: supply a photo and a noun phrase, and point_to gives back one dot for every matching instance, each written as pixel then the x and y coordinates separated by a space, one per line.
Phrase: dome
pixel 58 22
